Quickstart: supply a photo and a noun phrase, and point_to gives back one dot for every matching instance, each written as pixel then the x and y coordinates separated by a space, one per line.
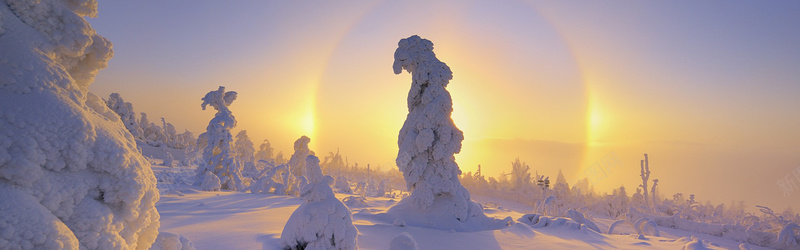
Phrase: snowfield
pixel 236 220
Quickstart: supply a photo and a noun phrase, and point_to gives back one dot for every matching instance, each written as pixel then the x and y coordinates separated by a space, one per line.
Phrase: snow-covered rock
pixel 70 174
pixel 322 221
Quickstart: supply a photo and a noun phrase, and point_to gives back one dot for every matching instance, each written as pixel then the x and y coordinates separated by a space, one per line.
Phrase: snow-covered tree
pixel 244 147
pixel 521 178
pixel 280 159
pixel 265 152
pixel 429 140
pixel 168 159
pixel 301 151
pixel 560 180
pixel 126 114
pixel 70 174
pixel 245 153
pixel 322 221
pixel 186 140
pixel 219 156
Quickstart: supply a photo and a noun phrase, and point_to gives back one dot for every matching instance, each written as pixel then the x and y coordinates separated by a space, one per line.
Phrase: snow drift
pixel 70 174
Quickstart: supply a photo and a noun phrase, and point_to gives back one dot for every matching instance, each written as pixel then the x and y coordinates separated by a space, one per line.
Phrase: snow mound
pixel 696 244
pixel 540 221
pixel 322 221
pixel 403 241
pixel 355 201
pixel 579 218
pixel 70 174
pixel 171 241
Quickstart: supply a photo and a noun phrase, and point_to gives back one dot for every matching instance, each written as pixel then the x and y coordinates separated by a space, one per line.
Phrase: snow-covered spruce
pixel 301 151
pixel 322 221
pixel 126 113
pixel 218 155
pixel 428 142
pixel 70 174
pixel 245 154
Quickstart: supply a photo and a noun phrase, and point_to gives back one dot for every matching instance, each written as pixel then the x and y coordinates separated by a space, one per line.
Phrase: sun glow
pixel 595 117
pixel 307 124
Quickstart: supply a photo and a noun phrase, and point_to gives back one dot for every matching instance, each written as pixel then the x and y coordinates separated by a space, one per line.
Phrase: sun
pixel 595 122
pixel 307 124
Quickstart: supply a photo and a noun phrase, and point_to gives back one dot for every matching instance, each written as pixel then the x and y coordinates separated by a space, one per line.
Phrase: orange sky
pixel 710 91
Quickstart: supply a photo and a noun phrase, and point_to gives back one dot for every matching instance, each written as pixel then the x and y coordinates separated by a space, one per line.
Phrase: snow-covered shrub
pixel 645 225
pixel 403 241
pixel 152 133
pixel 171 241
pixel 168 159
pixel 210 182
pixel 428 142
pixel 276 180
pixel 342 185
pixel 322 221
pixel 70 174
pixel 579 218
pixel 219 155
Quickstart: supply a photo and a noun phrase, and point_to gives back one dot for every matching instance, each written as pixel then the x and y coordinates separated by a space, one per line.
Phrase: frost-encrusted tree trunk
pixel 218 155
pixel 645 174
pixel 429 139
pixel 71 176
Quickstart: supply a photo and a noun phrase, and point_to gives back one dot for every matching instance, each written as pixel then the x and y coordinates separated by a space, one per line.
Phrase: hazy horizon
pixel 708 90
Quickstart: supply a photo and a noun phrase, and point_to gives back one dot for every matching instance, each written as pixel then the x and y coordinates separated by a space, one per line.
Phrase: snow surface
pixel 235 220
pixel 70 174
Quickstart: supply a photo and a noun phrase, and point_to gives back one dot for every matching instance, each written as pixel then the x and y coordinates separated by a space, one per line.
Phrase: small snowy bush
pixel 322 221
pixel 168 159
